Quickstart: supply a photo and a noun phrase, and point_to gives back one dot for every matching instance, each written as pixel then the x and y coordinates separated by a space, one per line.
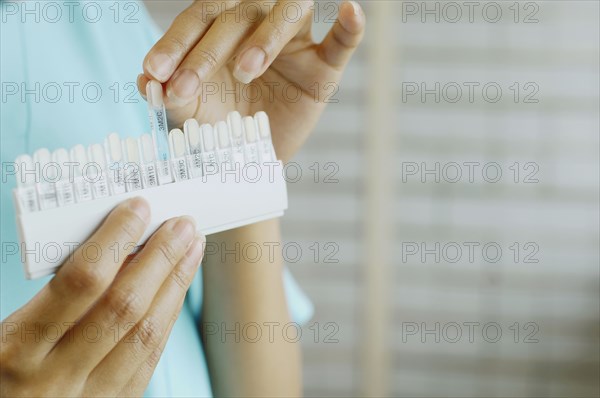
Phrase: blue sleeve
pixel 300 307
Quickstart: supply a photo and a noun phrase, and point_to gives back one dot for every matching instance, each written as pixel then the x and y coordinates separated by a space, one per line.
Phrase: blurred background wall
pixel 432 274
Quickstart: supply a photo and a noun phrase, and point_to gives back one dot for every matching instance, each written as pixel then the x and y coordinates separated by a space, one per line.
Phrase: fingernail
pixel 356 7
pixel 160 65
pixel 184 86
pixel 140 207
pixel 194 254
pixel 154 92
pixel 185 228
pixel 250 64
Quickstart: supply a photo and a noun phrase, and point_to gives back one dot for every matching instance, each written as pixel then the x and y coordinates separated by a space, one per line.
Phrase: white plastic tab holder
pixel 26 195
pixel 216 205
pixel 78 190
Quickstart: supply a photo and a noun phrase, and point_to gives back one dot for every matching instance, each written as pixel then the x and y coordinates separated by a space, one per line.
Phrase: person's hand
pixel 99 326
pixel 212 46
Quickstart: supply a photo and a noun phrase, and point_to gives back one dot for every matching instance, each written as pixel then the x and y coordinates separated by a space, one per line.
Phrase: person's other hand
pixel 216 47
pixel 99 326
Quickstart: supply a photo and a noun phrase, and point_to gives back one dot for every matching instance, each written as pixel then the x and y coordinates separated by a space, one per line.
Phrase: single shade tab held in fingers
pixel 160 130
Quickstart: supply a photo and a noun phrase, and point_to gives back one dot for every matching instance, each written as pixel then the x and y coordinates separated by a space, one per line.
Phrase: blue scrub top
pixel 68 72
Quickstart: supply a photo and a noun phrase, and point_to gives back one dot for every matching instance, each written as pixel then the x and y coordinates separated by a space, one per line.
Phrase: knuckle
pixel 125 305
pixel 277 30
pixel 19 387
pixel 180 278
pixel 193 16
pixel 307 8
pixel 154 358
pixel 16 364
pixel 149 334
pixel 176 314
pixel 10 360
pixel 249 15
pixel 168 252
pixel 207 57
pixel 130 225
pixel 175 42
pixel 82 278
pixel 341 38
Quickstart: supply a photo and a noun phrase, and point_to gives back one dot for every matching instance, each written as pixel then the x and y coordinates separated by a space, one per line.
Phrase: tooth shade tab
pixel 234 120
pixel 132 150
pixel 43 158
pixel 115 151
pixel 154 94
pixel 264 127
pixel 61 157
pixel 147 148
pixel 79 157
pixel 177 141
pixel 96 155
pixel 223 134
pixel 25 162
pixel 250 129
pixel 208 137
pixel 192 132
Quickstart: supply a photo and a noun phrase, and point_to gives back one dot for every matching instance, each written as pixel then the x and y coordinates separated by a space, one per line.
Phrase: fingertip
pixel 140 207
pixel 344 37
pixel 352 17
pixel 141 82
pixel 196 251
pixel 201 239
pixel 159 66
pixel 251 64
pixel 183 88
pixel 155 93
pixel 355 7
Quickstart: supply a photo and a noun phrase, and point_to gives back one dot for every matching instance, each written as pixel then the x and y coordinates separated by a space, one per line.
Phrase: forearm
pixel 242 291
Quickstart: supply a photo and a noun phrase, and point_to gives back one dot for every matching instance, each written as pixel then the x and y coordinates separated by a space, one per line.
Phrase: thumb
pixel 344 37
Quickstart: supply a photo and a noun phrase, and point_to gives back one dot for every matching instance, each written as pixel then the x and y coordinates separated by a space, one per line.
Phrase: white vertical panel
pixel 377 223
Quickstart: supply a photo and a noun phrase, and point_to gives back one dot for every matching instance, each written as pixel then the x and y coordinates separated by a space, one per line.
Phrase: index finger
pixel 84 277
pixel 183 34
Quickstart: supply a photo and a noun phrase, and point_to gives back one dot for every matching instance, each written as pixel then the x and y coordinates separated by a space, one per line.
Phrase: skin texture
pixel 131 302
pixel 135 300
